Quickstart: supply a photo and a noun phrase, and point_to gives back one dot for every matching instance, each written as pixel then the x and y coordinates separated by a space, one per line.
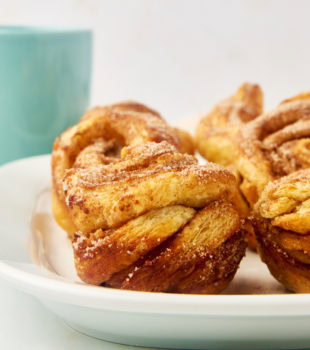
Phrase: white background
pixel 182 56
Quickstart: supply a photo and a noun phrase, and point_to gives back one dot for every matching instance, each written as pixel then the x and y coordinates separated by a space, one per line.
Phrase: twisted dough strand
pixel 282 226
pixel 216 132
pixel 149 176
pixel 274 145
pixel 104 131
pixel 142 215
pixel 217 135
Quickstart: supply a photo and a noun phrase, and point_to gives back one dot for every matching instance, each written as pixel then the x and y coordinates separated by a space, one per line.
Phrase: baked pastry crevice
pixel 282 226
pixel 141 214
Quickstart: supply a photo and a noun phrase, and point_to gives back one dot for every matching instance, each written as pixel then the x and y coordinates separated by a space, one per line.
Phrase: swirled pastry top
pixel 141 214
pixel 148 176
pixel 127 123
pixel 286 202
pixel 217 131
pixel 282 227
pixel 275 144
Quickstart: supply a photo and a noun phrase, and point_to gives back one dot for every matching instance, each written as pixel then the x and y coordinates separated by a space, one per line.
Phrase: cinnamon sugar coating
pixel 218 132
pixel 274 145
pixel 151 175
pixel 123 124
pixel 274 164
pixel 282 226
pixel 259 148
pixel 141 214
pixel 201 258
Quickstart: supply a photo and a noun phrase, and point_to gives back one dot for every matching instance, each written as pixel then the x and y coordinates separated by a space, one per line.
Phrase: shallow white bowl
pixel 228 321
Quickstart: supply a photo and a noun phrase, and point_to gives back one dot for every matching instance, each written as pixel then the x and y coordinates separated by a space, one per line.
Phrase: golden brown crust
pixel 125 189
pixel 207 250
pixel 149 176
pixel 217 134
pixel 127 123
pixel 216 272
pixel 287 202
pixel 286 258
pixel 282 226
pixel 148 180
pixel 274 145
pixel 266 148
pixel 122 124
pixel 187 144
pixel 301 96
pixel 102 253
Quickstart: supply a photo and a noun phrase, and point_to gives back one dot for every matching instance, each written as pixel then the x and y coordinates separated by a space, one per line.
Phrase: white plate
pixel 227 321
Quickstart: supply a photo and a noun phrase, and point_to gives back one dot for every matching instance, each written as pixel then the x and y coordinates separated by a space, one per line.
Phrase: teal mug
pixel 44 86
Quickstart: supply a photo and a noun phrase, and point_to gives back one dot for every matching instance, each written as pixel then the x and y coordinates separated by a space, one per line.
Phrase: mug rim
pixel 18 30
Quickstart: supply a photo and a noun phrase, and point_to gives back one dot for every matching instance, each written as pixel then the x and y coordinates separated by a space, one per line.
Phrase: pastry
pixel 218 132
pixel 103 131
pixel 274 150
pixel 261 148
pixel 282 227
pixel 274 145
pixel 141 214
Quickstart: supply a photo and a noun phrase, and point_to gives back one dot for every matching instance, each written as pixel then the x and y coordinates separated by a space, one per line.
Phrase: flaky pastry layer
pixel 141 214
pixel 174 249
pixel 218 132
pixel 282 226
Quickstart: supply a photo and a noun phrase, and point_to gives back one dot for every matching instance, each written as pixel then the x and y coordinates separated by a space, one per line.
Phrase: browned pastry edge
pixel 222 266
pixel 181 265
pixel 198 254
pixel 126 123
pixel 150 176
pixel 101 254
pixel 284 255
pixel 274 145
pixel 216 132
pixel 217 135
pixel 121 164
pixel 211 276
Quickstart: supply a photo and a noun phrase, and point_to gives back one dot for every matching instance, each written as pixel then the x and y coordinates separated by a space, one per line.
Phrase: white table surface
pixel 25 324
